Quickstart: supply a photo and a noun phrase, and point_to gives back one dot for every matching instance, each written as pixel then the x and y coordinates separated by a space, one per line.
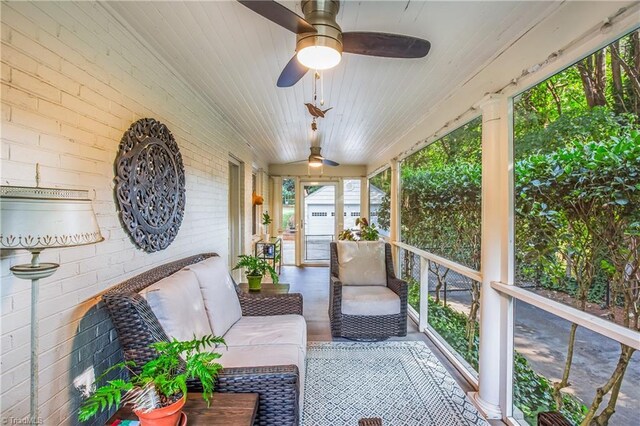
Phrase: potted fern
pixel 158 391
pixel 255 270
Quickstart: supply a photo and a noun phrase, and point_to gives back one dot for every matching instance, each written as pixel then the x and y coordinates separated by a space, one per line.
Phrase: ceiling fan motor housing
pixel 322 15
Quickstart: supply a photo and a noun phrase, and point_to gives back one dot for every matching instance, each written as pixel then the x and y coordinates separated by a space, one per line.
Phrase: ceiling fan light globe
pixel 315 162
pixel 319 57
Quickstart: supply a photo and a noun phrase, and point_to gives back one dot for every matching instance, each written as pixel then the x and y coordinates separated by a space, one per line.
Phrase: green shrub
pixel 532 392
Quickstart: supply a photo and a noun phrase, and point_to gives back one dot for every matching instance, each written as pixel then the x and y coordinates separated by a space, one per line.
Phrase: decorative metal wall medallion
pixel 150 185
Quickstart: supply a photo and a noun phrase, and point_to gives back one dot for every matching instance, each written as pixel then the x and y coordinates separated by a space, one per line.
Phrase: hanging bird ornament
pixel 315 111
pixel 312 107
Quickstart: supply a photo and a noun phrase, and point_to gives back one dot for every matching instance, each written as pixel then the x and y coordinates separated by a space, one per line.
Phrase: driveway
pixel 542 338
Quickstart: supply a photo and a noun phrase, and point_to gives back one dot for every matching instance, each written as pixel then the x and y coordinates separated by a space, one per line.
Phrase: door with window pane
pixel 318 221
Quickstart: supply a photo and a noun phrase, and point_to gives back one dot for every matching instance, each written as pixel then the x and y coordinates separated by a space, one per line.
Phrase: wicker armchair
pixel 138 327
pixel 369 327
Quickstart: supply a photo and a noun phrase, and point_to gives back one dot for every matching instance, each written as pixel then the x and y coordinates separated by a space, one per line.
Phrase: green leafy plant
pixel 256 266
pixel 266 219
pixel 161 381
pixel 365 233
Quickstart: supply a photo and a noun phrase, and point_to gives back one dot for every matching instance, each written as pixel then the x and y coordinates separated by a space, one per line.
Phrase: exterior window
pixel 319 214
pixel 440 213
pixel 355 214
pixel 333 214
pixel 577 233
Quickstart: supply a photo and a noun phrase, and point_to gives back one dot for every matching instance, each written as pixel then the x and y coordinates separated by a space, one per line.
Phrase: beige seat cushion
pixel 177 303
pixel 265 355
pixel 219 294
pixel 369 301
pixel 362 263
pixel 269 330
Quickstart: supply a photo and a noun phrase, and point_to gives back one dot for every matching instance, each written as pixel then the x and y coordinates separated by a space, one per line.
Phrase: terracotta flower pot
pixel 165 416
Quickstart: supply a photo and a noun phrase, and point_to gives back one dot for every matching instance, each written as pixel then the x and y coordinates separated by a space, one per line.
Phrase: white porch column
pixel 364 198
pixel 276 205
pixel 394 213
pixel 495 354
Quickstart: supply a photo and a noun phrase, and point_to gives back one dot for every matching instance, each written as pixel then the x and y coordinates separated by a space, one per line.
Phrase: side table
pixel 266 288
pixel 227 409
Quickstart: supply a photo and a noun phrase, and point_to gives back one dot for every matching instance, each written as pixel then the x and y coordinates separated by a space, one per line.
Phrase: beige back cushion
pixel 362 263
pixel 219 294
pixel 177 303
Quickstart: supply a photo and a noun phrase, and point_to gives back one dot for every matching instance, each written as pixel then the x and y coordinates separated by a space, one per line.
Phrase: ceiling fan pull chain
pixel 321 88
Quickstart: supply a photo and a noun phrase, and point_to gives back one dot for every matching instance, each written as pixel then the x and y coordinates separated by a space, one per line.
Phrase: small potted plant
pixel 158 391
pixel 255 270
pixel 266 221
pixel 365 233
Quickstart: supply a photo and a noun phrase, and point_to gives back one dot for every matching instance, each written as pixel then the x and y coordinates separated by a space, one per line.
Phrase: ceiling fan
pixel 320 41
pixel 316 159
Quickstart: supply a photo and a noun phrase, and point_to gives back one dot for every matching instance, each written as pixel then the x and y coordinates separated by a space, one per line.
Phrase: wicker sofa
pixel 279 386
pixel 364 310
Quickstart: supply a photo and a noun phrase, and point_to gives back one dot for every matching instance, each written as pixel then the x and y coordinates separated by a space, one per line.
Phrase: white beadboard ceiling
pixel 233 57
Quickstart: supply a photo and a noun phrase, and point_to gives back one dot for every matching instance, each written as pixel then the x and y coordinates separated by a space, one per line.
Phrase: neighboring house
pixel 320 207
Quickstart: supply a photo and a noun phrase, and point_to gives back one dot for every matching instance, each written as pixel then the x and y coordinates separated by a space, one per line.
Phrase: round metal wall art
pixel 150 185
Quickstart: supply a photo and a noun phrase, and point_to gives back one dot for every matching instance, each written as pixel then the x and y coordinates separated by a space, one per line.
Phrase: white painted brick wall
pixel 73 80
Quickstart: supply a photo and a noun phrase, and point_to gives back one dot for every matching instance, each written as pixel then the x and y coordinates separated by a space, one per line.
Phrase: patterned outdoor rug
pixel 401 382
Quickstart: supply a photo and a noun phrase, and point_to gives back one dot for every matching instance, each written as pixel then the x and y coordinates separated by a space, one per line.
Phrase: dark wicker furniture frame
pixel 138 327
pixel 360 327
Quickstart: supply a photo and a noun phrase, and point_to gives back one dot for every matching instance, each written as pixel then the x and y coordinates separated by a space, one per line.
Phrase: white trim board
pixel 606 328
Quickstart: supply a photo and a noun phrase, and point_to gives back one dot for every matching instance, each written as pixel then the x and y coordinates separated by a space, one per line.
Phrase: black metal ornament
pixel 150 185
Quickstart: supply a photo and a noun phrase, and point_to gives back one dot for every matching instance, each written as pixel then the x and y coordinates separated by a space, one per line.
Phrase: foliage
pixel 577 196
pixel 382 181
pixel 531 391
pixel 266 219
pixel 288 192
pixel 365 233
pixel 256 266
pixel 161 381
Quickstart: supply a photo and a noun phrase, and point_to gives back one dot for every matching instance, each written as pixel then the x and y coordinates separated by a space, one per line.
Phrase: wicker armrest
pixel 399 287
pixel 278 388
pixel 264 305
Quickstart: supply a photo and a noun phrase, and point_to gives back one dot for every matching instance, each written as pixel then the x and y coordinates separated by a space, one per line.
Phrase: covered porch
pixel 473 163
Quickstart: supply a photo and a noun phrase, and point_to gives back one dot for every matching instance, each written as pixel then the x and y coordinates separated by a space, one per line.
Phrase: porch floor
pixel 313 284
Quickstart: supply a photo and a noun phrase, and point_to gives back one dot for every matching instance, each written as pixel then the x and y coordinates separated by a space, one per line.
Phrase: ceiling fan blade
pixel 385 45
pixel 292 73
pixel 277 13
pixel 329 162
pixel 297 162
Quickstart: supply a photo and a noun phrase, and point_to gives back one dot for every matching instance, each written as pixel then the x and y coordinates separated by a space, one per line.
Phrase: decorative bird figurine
pixel 315 111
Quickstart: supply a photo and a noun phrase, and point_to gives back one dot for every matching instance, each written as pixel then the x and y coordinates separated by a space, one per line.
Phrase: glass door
pixel 318 221
pixel 288 224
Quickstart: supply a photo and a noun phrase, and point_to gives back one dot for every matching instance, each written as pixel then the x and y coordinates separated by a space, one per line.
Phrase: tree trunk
pixel 473 314
pixel 440 278
pixel 552 88
pixel 558 386
pixel 616 79
pixel 592 74
pixel 599 76
pixel 613 386
pixel 635 60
